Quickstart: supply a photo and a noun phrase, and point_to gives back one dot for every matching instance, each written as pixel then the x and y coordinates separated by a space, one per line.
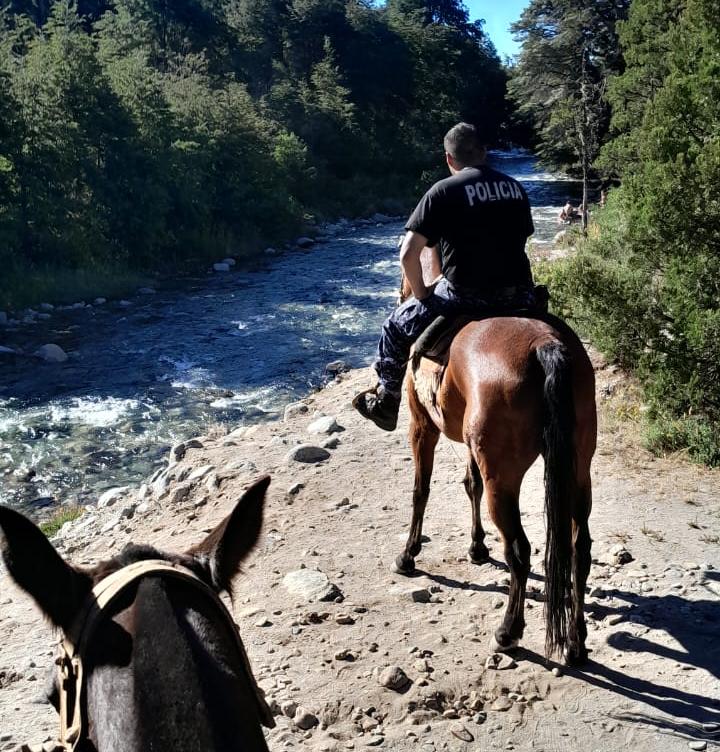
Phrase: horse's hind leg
pixel 504 507
pixel 474 487
pixel 577 631
pixel 424 437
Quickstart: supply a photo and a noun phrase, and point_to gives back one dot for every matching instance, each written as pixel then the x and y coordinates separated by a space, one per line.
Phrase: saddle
pixel 434 343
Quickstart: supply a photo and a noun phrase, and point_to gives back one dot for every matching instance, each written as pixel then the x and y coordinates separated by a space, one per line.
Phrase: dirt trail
pixel 653 680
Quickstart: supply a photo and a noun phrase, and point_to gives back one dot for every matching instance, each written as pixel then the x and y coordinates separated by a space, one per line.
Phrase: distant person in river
pixel 568 214
pixel 479 219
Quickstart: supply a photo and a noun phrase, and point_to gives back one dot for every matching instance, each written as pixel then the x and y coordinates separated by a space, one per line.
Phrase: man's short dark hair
pixel 462 143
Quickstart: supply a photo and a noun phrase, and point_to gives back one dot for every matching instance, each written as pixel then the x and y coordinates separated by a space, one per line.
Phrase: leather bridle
pixel 74 644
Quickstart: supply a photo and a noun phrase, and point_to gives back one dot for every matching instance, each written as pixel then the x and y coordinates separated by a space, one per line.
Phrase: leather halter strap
pixel 74 644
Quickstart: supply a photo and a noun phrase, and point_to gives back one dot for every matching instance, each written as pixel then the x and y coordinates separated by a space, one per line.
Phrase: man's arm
pixel 410 251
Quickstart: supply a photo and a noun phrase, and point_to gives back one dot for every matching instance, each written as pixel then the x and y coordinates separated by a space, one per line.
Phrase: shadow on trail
pixel 693 624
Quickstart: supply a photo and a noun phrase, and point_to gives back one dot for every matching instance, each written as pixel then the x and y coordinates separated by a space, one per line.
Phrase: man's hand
pixel 410 251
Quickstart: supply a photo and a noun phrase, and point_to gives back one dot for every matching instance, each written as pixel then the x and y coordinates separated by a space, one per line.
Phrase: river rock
pixel 124 303
pixel 311 584
pixel 7 351
pixel 177 452
pixel 393 677
pixel 307 453
pixel 699 745
pixel 146 291
pixel 304 242
pixel 110 496
pixel 382 218
pixel 229 261
pixel 3 318
pixel 47 307
pixel 272 252
pixel 296 408
pixel 220 267
pixel 336 366
pixel 325 425
pixel 51 353
pixel 99 301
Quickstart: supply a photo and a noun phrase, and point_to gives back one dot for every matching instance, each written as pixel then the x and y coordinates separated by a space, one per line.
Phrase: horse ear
pixel 232 540
pixel 57 588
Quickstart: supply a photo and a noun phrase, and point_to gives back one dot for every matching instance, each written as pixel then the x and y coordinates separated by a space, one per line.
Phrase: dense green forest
pixel 639 104
pixel 141 133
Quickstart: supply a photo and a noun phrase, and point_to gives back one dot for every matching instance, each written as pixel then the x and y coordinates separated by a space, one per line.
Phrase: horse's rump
pixel 491 370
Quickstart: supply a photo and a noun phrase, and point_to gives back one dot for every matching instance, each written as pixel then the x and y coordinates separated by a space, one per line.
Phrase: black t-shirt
pixel 480 218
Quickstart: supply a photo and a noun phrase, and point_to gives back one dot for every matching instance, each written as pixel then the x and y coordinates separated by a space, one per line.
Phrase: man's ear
pixel 58 589
pixel 232 540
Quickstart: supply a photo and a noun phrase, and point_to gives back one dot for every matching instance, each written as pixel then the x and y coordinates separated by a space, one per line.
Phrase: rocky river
pixel 219 348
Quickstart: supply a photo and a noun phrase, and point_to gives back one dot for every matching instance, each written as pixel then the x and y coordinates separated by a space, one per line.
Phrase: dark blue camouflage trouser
pixel 410 319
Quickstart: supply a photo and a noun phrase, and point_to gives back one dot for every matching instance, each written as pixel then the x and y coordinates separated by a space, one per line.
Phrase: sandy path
pixel 653 679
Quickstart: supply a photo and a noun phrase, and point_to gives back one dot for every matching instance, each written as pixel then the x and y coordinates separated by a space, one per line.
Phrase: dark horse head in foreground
pixel 163 669
pixel 514 387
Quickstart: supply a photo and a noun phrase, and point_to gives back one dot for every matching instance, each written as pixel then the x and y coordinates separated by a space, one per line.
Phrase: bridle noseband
pixel 74 644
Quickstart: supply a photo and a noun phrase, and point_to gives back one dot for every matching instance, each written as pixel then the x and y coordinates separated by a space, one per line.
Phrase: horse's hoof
pixel 404 565
pixel 575 655
pixel 479 554
pixel 503 645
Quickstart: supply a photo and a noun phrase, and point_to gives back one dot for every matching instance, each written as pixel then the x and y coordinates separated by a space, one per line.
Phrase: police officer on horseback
pixel 479 219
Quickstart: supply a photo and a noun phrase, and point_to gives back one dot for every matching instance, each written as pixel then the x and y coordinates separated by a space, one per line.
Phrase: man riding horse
pixel 479 219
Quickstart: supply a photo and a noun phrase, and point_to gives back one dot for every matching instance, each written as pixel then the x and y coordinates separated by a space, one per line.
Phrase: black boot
pixel 379 407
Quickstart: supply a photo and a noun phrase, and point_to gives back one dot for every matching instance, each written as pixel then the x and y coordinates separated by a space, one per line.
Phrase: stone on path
pixel 304 719
pixel 620 555
pixel 500 662
pixel 51 353
pixel 325 425
pixel 295 489
pixel 393 677
pixel 699 746
pixel 311 584
pixel 307 453
pixel 296 408
pixel 501 704
pixel 459 731
pixel 200 472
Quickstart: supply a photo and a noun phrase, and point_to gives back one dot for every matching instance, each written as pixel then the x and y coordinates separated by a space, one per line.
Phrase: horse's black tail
pixel 560 490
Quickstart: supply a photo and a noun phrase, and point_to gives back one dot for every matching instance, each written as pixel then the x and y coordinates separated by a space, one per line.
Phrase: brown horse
pixel 163 669
pixel 514 388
